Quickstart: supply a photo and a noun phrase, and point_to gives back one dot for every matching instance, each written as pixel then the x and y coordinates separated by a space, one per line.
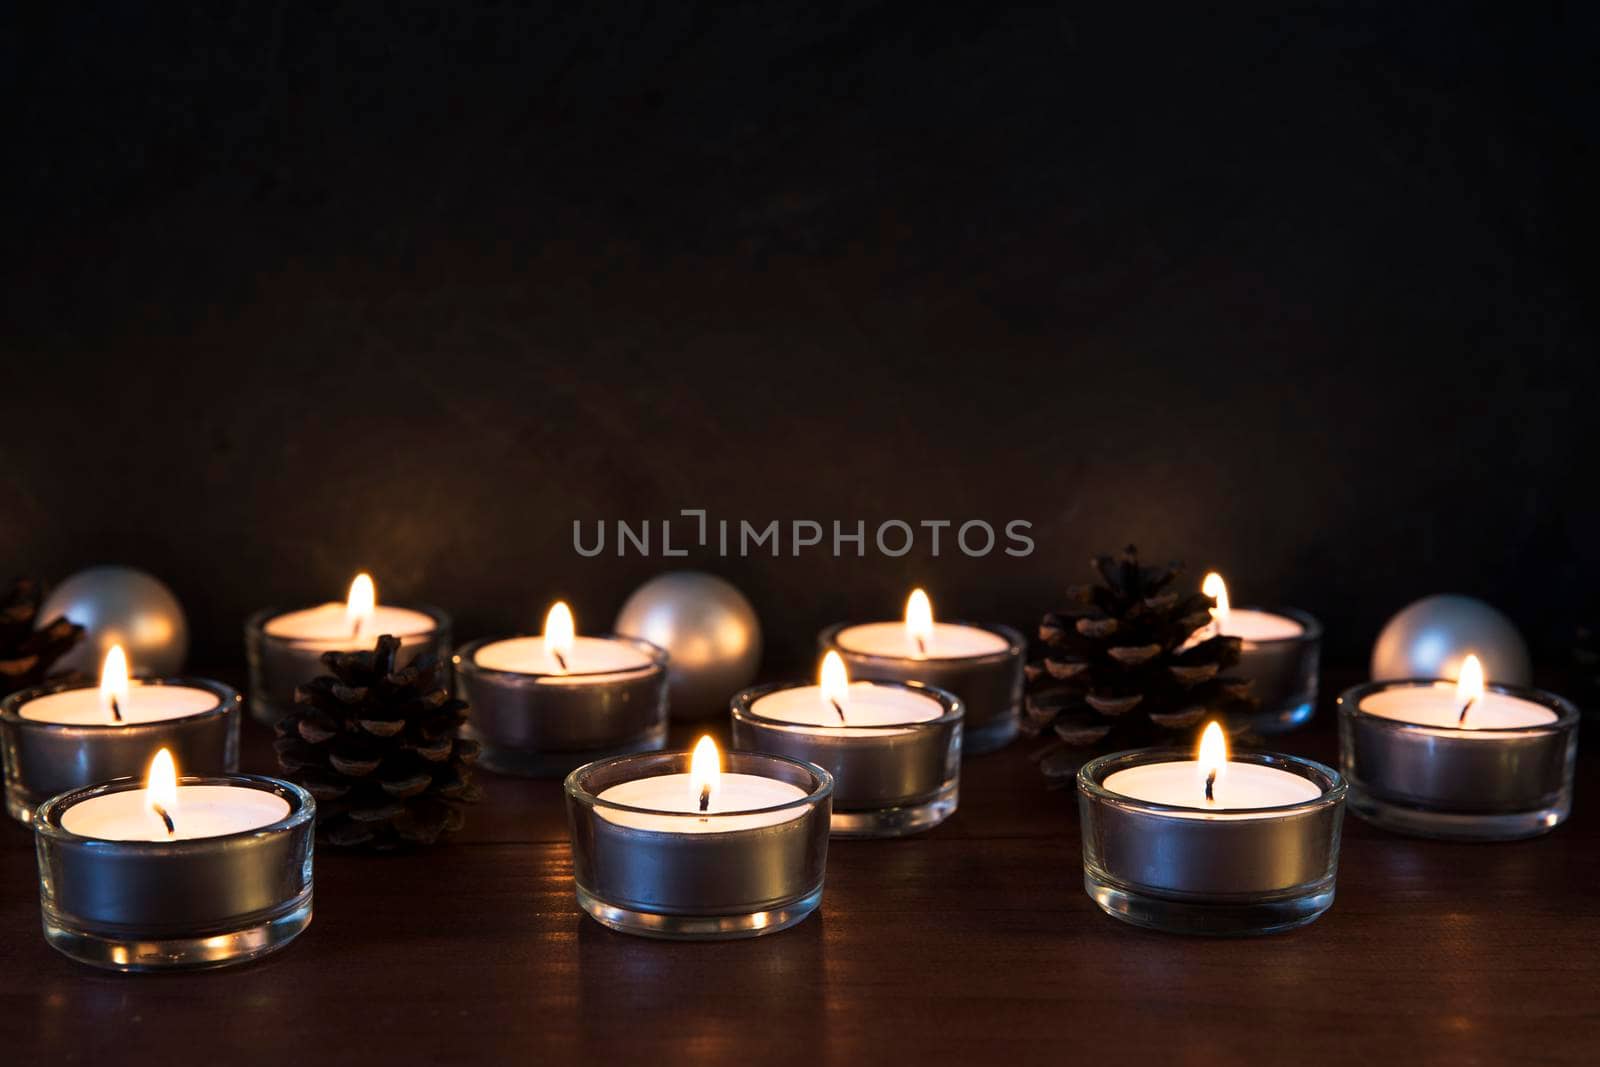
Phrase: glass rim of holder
pixel 555 762
pixel 1276 888
pixel 258 622
pixel 978 738
pixel 157 943
pixel 1414 814
pixel 902 815
pixel 22 804
pixel 828 637
pixel 11 706
pixel 1312 626
pixel 756 904
pixel 465 656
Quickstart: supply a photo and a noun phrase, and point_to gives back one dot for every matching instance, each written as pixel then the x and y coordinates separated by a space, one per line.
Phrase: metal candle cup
pixel 196 902
pixel 543 725
pixel 279 664
pixel 889 780
pixel 1193 870
pixel 698 885
pixel 44 758
pixel 1482 784
pixel 1284 672
pixel 989 687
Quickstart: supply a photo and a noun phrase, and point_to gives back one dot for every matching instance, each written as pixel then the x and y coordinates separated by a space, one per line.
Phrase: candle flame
pixel 1469 686
pixel 114 682
pixel 1213 758
pixel 1214 586
pixel 919 622
pixel 705 773
pixel 161 788
pixel 560 632
pixel 834 681
pixel 361 602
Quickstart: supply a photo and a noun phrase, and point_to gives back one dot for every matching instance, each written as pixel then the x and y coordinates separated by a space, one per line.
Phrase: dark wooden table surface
pixel 973 943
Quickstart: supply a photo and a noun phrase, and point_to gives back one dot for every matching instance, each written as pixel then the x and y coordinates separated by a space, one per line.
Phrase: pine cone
pixel 26 653
pixel 1118 670
pixel 379 749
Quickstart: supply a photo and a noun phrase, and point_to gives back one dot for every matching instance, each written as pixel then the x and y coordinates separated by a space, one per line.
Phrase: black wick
pixel 922 646
pixel 1464 709
pixel 159 810
pixel 559 659
pixel 1211 788
pixel 843 721
pixel 116 710
pixel 705 798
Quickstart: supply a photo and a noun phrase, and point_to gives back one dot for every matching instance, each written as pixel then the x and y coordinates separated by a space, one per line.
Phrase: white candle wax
pixel 1252 625
pixel 590 659
pixel 201 811
pixel 145 703
pixel 1239 785
pixel 868 705
pixel 731 805
pixel 1439 705
pixel 949 640
pixel 328 627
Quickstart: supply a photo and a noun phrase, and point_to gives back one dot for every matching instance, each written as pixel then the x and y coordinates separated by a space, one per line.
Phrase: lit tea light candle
pixel 546 703
pixel 1215 844
pixel 677 845
pixel 286 647
pixel 1463 759
pixel 893 748
pixel 1210 784
pixel 981 665
pixel 1279 652
pixel 171 873
pixel 67 735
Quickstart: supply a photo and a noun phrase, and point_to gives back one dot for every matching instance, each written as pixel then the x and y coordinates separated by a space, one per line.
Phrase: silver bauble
pixel 121 606
pixel 707 627
pixel 1430 638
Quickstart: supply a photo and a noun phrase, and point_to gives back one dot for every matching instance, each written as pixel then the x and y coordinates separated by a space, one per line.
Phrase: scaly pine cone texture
pixel 26 653
pixel 380 749
pixel 1118 670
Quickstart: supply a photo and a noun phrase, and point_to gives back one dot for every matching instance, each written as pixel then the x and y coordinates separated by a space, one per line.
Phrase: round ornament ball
pixel 707 627
pixel 1431 637
pixel 121 606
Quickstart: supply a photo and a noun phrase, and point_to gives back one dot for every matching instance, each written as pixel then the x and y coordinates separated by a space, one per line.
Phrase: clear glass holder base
pixel 993 735
pixel 699 927
pixel 1456 826
pixel 525 763
pixel 1225 918
pixel 19 805
pixel 900 821
pixel 265 711
pixel 264 934
pixel 1281 720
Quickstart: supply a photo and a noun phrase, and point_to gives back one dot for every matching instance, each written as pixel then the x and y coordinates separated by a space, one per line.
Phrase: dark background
pixel 292 290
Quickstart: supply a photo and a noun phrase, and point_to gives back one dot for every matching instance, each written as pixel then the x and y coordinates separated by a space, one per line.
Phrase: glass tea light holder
pixel 66 735
pixel 542 705
pixel 981 665
pixel 285 648
pixel 1466 759
pixel 1210 845
pixel 1279 652
pixel 893 748
pixel 170 873
pixel 675 845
